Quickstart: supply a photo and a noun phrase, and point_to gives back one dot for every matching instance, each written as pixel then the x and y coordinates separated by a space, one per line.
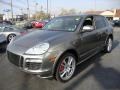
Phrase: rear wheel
pixel 66 67
pixel 108 47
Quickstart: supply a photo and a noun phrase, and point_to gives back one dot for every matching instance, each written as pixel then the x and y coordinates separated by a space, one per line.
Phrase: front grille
pixel 15 59
pixel 32 65
pixel 19 61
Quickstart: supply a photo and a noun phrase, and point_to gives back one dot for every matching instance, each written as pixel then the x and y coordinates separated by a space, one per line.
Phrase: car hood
pixel 25 42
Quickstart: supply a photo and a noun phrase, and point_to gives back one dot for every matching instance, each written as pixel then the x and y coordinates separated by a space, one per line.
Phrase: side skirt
pixel 88 57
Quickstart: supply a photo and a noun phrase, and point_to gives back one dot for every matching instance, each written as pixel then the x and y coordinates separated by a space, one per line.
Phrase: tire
pixel 108 47
pixel 64 72
pixel 9 38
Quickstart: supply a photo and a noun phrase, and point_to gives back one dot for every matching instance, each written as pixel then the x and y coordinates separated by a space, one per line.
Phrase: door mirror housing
pixel 87 28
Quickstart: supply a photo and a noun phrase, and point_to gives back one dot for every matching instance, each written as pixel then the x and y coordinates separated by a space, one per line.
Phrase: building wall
pixel 116 14
pixel 107 13
pixel 111 15
pixel 116 18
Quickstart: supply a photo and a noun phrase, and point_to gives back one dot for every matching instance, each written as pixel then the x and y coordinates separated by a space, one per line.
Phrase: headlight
pixel 38 49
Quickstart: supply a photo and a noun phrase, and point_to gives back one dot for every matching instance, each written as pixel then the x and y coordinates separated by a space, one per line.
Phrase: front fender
pixel 58 53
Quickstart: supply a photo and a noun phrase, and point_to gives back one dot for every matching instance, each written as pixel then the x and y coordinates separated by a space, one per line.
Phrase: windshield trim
pixel 58 30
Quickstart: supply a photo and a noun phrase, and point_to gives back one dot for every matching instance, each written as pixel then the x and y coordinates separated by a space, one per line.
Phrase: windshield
pixel 68 23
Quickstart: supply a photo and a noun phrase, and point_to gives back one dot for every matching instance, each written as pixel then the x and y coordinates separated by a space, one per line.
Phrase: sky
pixel 56 5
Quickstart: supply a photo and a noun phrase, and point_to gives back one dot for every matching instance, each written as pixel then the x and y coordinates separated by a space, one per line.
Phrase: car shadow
pixel 2 51
pixel 115 44
pixel 108 78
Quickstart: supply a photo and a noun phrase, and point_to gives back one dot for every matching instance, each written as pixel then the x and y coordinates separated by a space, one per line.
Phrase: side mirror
pixel 87 28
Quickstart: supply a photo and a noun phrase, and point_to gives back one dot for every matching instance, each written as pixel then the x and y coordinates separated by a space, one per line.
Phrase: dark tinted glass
pixel 100 22
pixel 8 29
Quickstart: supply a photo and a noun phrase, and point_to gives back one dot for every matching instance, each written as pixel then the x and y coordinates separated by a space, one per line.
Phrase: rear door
pixel 101 28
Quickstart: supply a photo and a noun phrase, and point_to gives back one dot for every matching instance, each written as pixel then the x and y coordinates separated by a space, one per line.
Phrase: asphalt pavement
pixel 101 72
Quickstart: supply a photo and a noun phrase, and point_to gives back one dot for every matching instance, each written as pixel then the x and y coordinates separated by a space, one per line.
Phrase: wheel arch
pixel 10 34
pixel 109 36
pixel 72 51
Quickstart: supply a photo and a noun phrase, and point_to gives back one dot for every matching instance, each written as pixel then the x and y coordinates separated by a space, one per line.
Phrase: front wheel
pixel 66 67
pixel 10 37
pixel 108 47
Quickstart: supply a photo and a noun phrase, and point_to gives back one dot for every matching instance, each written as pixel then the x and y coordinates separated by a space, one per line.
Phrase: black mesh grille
pixel 15 59
pixel 19 60
pixel 32 65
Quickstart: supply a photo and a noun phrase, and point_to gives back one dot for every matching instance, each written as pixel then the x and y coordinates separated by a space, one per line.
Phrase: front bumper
pixel 33 64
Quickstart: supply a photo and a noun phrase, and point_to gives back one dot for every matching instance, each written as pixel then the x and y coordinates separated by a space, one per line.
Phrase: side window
pixel 100 22
pixel 89 22
pixel 8 29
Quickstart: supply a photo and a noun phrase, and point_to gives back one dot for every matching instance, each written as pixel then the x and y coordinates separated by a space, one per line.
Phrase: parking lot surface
pixel 101 72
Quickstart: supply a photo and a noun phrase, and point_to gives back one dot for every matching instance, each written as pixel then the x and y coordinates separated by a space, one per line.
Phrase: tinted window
pixel 100 22
pixel 8 29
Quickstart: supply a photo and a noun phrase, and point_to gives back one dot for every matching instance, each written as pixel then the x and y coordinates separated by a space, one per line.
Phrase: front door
pixel 89 40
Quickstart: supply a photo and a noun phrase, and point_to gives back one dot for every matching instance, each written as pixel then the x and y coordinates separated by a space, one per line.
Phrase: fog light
pixel 33 64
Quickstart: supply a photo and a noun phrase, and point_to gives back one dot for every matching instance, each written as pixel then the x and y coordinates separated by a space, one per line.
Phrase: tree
pixel 72 12
pixel 67 12
pixel 63 12
pixel 41 15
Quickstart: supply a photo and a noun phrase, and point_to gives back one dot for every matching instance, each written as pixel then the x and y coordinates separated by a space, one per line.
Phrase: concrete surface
pixel 102 72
